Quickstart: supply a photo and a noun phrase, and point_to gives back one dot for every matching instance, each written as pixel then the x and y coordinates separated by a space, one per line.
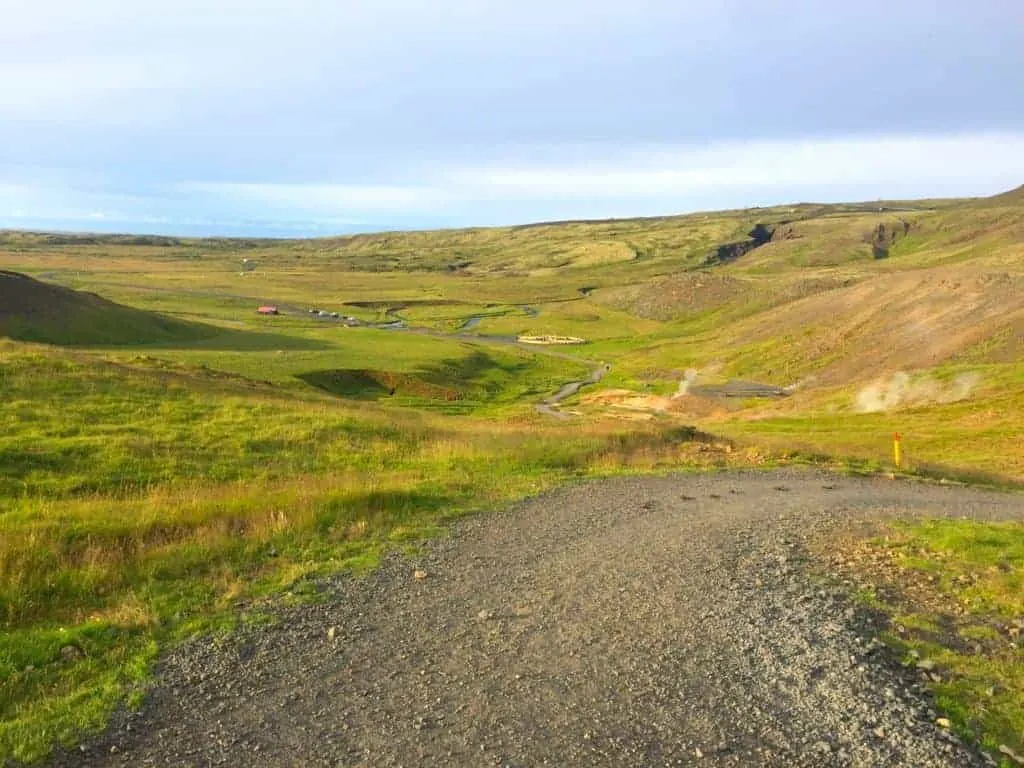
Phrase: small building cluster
pixel 325 315
pixel 319 314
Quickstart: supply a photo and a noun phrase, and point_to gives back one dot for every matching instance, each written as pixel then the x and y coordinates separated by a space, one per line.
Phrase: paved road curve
pixel 629 622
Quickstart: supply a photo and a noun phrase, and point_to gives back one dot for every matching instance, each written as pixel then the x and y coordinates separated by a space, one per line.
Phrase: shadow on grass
pixel 230 340
pixel 44 313
pixel 351 383
pixel 369 384
pixel 477 370
pixel 155 332
pixel 449 380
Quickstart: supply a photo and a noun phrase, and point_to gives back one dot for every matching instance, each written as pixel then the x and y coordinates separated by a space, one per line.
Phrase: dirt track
pixel 630 622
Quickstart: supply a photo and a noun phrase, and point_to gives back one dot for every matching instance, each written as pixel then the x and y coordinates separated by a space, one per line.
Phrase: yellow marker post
pixel 897 451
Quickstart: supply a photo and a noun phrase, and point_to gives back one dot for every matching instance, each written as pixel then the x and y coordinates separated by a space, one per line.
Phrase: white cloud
pixel 653 172
pixel 96 88
pixel 62 59
pixel 885 165
pixel 55 199
pixel 599 181
pixel 320 197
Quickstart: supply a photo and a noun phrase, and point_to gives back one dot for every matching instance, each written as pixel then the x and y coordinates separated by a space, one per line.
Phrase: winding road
pixel 627 622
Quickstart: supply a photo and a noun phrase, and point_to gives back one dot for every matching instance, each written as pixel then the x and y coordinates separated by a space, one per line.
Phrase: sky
pixel 315 117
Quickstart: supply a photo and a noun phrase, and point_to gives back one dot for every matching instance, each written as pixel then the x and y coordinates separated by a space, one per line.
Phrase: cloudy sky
pixel 307 117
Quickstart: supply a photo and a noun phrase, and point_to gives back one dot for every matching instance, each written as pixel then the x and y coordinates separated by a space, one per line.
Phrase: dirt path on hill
pixel 627 622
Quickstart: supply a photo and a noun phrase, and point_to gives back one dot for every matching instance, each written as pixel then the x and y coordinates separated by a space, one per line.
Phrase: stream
pixel 549 405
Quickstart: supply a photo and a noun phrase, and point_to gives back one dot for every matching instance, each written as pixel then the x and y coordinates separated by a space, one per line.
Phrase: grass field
pixel 168 455
pixel 141 501
pixel 954 590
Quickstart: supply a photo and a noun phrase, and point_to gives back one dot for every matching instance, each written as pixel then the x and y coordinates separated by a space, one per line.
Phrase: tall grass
pixel 145 492
pixel 137 505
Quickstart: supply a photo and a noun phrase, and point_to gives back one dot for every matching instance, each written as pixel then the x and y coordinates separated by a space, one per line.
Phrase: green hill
pixel 31 310
pixel 146 494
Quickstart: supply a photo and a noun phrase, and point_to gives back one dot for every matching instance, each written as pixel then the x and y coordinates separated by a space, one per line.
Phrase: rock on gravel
pixel 628 622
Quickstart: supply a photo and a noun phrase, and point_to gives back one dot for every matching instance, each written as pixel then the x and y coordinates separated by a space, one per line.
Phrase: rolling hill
pixel 190 455
pixel 32 310
pixel 824 300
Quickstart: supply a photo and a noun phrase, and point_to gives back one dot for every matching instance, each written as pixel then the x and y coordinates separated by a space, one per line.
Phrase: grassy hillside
pixel 31 310
pixel 835 302
pixel 140 502
pixel 188 454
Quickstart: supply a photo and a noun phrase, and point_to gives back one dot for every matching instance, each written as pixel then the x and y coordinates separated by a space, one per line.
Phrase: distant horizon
pixel 261 231
pixel 309 118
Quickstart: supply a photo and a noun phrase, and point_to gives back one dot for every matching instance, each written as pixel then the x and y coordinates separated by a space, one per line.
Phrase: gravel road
pixel 627 622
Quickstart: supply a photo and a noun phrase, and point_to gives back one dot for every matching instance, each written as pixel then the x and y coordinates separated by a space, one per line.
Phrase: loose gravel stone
pixel 627 622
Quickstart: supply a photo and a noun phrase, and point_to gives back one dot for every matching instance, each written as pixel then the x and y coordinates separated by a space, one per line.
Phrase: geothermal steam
pixel 901 391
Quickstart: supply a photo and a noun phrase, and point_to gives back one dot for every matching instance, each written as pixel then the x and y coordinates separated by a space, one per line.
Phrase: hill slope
pixel 31 310
pixel 846 296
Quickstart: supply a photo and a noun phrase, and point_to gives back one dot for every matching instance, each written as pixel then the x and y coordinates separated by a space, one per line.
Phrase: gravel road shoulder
pixel 632 621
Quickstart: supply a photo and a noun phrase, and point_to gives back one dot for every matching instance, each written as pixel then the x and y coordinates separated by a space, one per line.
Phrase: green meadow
pixel 170 459
pixel 955 591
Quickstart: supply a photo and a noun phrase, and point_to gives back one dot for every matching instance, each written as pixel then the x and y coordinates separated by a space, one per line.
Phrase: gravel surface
pixel 627 622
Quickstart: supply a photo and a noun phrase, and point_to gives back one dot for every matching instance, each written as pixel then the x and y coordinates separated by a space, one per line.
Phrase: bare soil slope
pixel 901 321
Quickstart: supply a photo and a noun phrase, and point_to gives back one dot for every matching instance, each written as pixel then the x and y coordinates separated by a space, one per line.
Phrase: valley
pixel 175 464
